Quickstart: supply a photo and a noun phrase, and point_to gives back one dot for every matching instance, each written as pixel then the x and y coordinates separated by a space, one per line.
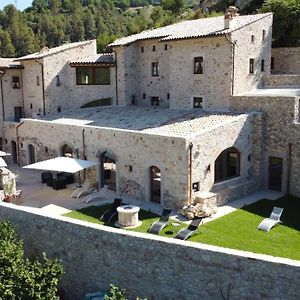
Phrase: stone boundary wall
pixel 286 60
pixel 282 80
pixel 150 266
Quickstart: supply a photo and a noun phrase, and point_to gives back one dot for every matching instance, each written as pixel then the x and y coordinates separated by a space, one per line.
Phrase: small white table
pixel 128 215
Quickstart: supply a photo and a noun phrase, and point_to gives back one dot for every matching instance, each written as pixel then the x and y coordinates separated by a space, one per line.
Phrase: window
pixel 30 106
pixel 263 35
pixel 154 69
pixel 58 109
pixel 16 82
pixel 58 83
pixel 92 76
pixel 262 65
pixel 227 165
pixel 142 49
pixel 144 96
pixel 252 38
pixel 153 48
pixel 272 63
pixel 198 102
pixel 155 101
pixel 251 65
pixel 166 47
pixel 38 80
pixel 168 96
pixel 198 65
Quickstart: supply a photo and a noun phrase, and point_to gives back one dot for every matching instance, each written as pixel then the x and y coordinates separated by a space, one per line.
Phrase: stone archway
pixel 155 184
pixel 108 170
pixel 228 165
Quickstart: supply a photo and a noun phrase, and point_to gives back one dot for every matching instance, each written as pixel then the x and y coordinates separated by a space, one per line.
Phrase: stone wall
pixel 280 129
pixel 239 133
pixel 282 80
pixel 259 49
pixel 139 150
pixel 12 97
pixel 32 88
pixel 67 94
pixel 176 84
pixel 150 266
pixel 286 60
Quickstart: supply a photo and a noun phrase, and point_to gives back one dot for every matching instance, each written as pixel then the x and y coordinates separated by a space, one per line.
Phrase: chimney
pixel 229 16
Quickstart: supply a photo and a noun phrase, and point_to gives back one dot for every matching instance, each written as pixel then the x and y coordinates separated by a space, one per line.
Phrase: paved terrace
pixel 162 121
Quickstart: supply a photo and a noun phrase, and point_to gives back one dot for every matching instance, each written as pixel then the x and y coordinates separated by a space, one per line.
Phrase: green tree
pixel 6 47
pixel 21 278
pixel 286 27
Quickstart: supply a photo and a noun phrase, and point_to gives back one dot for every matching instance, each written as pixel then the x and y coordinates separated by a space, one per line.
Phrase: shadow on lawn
pixel 96 212
pixel 290 216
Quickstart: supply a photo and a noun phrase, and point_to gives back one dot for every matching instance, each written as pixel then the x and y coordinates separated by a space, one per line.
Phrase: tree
pixel 286 27
pixel 6 47
pixel 21 278
pixel 172 5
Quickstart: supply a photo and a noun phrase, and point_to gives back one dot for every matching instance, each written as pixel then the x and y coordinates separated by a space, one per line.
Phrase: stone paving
pixel 153 120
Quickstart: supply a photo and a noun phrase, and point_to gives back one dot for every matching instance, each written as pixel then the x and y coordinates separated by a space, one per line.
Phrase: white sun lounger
pixel 85 189
pixel 274 219
pixel 96 195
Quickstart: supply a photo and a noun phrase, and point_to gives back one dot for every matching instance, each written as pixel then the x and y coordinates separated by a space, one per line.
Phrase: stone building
pixel 191 110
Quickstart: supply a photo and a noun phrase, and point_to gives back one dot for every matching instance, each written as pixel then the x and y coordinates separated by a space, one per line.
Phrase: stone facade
pixel 12 97
pixel 60 88
pixel 225 68
pixel 279 131
pixel 286 60
pixel 149 266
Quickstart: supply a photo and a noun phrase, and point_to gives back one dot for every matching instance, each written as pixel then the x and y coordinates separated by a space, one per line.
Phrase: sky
pixel 21 4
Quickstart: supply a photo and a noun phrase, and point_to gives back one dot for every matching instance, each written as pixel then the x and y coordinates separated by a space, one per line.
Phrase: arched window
pixel 227 165
pixel 66 150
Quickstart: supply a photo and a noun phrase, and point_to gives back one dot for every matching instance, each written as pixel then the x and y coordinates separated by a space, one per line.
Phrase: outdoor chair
pixel 95 195
pixel 58 184
pixel 185 233
pixel 85 189
pixel 67 177
pixel 45 176
pixel 108 215
pixel 157 226
pixel 267 223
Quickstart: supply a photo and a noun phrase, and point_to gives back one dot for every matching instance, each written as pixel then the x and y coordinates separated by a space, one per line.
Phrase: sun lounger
pixel 267 223
pixel 85 189
pixel 98 194
pixel 185 233
pixel 157 226
pixel 108 215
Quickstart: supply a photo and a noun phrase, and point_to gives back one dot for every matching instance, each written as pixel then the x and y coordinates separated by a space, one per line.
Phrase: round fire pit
pixel 128 215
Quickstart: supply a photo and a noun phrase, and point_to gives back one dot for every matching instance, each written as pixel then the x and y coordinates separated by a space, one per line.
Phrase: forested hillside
pixel 54 22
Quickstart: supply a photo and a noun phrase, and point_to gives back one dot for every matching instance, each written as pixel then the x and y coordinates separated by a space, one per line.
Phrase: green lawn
pixel 237 230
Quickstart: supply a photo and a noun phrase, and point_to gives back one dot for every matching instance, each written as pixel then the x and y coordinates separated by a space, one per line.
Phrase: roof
pixel 46 51
pixel 9 63
pixel 97 59
pixel 191 29
pixel 148 120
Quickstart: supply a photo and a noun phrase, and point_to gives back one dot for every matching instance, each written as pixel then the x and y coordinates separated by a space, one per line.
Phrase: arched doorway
pixel 108 170
pixel 155 184
pixel 227 165
pixel 66 150
pixel 31 154
pixel 14 152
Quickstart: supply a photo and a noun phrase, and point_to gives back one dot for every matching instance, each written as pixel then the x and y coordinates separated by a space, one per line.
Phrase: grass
pixel 237 230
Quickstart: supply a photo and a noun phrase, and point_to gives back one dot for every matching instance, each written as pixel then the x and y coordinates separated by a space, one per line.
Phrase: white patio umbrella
pixel 2 153
pixel 2 163
pixel 62 164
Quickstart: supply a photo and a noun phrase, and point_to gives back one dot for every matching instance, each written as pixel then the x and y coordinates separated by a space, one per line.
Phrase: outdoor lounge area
pixel 237 230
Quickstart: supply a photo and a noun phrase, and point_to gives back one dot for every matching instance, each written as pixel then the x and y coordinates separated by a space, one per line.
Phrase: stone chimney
pixel 229 17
